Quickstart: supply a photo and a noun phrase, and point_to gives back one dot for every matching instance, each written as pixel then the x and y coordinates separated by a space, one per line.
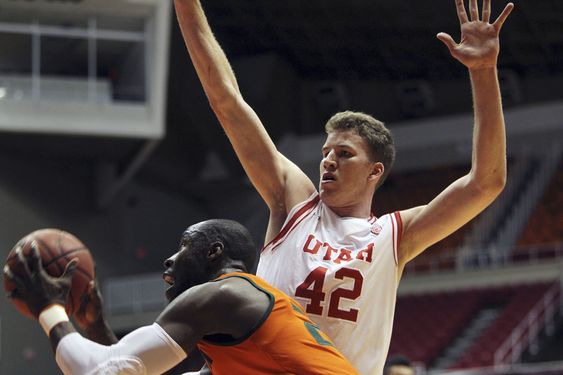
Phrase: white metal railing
pixel 529 197
pixel 484 259
pixel 91 35
pixel 20 87
pixel 134 294
pixel 525 335
pixel 547 368
pixel 481 231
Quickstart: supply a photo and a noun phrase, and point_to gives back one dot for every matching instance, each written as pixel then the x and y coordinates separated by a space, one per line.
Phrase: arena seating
pixel 406 190
pixel 427 324
pixel 545 226
pixel 519 301
pixel 410 189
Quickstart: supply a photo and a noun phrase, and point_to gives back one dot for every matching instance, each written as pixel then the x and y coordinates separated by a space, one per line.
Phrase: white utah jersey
pixel 344 273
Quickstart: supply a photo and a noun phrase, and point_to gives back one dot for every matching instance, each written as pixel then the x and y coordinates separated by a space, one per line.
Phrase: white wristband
pixel 51 316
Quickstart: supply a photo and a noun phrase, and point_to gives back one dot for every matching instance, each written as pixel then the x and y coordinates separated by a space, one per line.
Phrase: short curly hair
pixel 375 133
pixel 236 239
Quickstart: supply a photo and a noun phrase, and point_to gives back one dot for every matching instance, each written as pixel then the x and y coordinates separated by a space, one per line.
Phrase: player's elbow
pixel 501 182
pixel 497 181
pixel 490 186
pixel 496 186
pixel 224 100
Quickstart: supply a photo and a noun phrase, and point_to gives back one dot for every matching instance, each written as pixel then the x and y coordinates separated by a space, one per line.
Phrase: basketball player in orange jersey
pixel 241 324
pixel 325 248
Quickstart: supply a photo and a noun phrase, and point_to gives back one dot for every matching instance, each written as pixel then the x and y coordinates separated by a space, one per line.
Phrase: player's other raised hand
pixel 90 316
pixel 479 46
pixel 91 307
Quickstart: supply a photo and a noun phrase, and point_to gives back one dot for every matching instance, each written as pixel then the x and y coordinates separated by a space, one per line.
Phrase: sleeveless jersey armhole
pixel 397 233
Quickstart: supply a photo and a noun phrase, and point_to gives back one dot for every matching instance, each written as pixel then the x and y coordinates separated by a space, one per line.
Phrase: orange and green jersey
pixel 284 341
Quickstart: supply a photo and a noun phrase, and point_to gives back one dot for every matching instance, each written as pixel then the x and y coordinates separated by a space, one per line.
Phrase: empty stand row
pixel 426 325
pixel 542 237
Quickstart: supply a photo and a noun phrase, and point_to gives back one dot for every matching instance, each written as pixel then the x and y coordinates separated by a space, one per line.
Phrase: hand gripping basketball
pixel 34 286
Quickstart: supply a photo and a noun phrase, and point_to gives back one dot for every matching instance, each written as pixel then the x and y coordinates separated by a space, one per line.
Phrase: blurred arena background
pixel 106 133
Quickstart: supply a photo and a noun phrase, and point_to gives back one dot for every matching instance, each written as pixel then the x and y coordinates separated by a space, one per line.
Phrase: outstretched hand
pixel 35 286
pixel 90 316
pixel 90 312
pixel 479 46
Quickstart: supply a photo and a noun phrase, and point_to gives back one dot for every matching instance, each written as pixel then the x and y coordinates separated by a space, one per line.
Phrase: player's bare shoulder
pixel 225 293
pixel 409 219
pixel 235 296
pixel 241 295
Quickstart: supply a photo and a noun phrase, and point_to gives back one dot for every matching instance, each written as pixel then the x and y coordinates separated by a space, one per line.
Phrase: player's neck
pixel 236 266
pixel 355 210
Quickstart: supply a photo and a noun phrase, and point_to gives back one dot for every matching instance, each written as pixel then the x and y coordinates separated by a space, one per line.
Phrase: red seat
pixel 437 319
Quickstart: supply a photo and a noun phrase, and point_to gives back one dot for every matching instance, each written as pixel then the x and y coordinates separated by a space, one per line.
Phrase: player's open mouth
pixel 168 278
pixel 328 177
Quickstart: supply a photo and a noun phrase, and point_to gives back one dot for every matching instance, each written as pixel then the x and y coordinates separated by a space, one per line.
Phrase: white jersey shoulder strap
pixel 295 216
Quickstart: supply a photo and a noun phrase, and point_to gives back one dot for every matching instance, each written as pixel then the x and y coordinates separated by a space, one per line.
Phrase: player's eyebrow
pixel 339 145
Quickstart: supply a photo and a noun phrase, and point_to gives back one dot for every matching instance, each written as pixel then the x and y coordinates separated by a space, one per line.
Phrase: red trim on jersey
pixel 391 217
pixel 293 221
pixel 399 228
pixel 397 221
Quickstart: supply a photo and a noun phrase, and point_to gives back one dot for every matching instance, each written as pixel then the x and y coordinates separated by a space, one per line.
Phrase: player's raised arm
pixel 280 183
pixel 465 198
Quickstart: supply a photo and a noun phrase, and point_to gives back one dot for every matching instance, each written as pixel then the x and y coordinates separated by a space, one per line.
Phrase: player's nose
pixel 169 262
pixel 329 162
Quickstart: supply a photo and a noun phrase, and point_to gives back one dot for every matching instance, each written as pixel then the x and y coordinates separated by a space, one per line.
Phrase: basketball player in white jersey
pixel 325 248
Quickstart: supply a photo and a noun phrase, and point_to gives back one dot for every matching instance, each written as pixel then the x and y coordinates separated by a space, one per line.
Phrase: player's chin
pixel 170 293
pixel 327 193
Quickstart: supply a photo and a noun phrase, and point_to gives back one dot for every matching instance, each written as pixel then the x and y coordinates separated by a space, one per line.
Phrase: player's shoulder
pixel 407 215
pixel 232 287
pixel 229 291
pixel 241 298
pixel 403 215
pixel 213 298
pixel 204 307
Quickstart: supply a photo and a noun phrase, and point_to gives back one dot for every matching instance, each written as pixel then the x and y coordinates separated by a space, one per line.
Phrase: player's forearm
pixel 210 62
pixel 99 333
pixel 489 134
pixel 58 332
pixel 147 350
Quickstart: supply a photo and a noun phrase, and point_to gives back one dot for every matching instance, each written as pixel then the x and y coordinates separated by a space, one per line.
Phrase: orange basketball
pixel 56 249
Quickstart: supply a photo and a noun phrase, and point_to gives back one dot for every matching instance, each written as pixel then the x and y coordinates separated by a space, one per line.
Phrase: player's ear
pixel 215 251
pixel 376 171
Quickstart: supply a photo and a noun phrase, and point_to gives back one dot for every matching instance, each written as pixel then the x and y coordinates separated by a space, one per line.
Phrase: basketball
pixel 56 249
